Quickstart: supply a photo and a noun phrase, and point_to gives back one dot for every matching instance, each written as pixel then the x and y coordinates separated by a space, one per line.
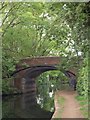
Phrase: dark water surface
pixel 28 106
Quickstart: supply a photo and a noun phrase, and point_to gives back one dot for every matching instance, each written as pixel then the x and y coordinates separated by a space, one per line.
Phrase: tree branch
pixel 8 26
pixel 7 14
pixel 3 6
pixel 11 9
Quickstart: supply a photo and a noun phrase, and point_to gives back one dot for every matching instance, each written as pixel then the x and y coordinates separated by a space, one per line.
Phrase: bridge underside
pixel 36 71
pixel 25 78
pixel 28 69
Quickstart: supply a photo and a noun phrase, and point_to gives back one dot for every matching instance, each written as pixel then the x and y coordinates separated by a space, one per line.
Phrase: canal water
pixel 28 106
pixel 39 104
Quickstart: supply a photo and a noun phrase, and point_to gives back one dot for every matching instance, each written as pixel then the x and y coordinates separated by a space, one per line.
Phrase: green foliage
pixel 83 101
pixel 44 29
pixel 8 66
pixel 82 84
pixel 60 102
pixel 43 89
pixel 8 87
pixel 50 82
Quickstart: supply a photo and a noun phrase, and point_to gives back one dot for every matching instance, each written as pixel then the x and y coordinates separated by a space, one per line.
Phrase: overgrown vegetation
pixel 60 102
pixel 84 103
pixel 82 85
pixel 46 29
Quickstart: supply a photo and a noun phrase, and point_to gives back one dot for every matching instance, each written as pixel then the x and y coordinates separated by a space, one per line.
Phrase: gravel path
pixel 71 107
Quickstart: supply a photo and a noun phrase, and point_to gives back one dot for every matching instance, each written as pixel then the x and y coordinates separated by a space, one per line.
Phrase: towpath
pixel 71 108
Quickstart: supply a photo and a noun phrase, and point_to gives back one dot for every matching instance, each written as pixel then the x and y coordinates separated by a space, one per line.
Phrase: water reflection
pixel 28 106
pixel 46 102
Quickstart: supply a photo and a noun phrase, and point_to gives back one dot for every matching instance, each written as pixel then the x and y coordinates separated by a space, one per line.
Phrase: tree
pixel 43 29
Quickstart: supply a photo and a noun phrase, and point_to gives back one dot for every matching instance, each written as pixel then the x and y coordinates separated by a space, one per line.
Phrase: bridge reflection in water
pixel 27 106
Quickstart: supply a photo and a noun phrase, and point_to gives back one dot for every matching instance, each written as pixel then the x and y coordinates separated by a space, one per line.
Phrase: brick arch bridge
pixel 28 69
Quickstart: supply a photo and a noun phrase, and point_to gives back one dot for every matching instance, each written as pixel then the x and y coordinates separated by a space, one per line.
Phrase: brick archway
pixel 28 69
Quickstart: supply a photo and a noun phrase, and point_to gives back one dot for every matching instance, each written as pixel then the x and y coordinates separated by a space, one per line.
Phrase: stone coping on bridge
pixel 36 61
pixel 43 57
pixel 36 66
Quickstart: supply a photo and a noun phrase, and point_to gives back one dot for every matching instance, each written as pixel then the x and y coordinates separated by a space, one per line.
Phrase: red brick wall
pixel 39 61
pixel 34 62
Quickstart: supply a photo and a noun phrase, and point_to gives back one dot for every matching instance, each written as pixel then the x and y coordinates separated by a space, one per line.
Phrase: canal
pixel 28 106
pixel 33 104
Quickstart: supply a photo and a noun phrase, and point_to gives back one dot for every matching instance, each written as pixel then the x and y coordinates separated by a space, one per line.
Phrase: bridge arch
pixel 28 69
pixel 35 71
pixel 25 78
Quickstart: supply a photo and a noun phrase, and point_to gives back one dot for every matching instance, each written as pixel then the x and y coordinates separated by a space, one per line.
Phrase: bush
pixel 82 84
pixel 7 86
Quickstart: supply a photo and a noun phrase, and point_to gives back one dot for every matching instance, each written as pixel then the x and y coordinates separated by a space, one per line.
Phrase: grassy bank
pixel 61 101
pixel 83 105
pixel 59 106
